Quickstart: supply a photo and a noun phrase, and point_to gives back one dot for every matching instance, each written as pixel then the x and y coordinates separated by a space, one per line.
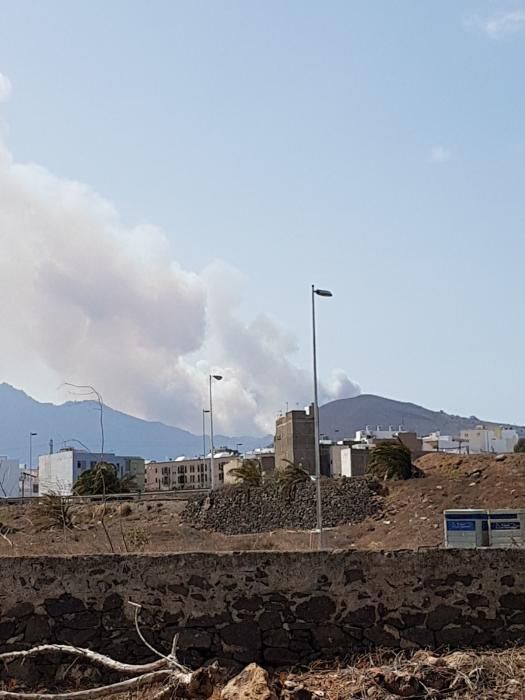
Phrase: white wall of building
pixel 55 472
pixel 353 460
pixel 378 433
pixel 444 443
pixel 58 472
pixel 9 478
pixel 486 440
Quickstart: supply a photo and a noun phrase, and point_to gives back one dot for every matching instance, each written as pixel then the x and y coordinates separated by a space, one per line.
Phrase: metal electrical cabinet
pixel 472 527
pixel 466 528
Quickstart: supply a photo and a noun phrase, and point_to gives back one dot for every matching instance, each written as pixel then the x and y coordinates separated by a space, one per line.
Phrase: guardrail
pixel 175 495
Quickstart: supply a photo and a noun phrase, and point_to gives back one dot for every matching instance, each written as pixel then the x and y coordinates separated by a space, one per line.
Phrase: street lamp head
pixel 218 377
pixel 205 410
pixel 323 292
pixel 33 434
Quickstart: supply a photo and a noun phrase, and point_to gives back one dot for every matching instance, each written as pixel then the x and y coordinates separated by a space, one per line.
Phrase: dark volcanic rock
pixel 237 510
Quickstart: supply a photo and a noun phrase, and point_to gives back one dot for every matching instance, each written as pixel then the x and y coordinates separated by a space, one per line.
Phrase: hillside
pixel 407 515
pixel 340 419
pixel 78 421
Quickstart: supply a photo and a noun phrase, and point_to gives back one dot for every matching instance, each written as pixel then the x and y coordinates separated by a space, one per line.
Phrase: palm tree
pixel 290 477
pixel 390 460
pixel 248 473
pixel 102 480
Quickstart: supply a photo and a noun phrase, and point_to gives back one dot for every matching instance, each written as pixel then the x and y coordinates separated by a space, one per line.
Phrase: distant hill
pixel 348 415
pixel 77 422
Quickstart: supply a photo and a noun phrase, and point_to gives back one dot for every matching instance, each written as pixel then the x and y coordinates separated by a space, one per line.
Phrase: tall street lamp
pixel 31 436
pixel 218 378
pixel 204 412
pixel 317 448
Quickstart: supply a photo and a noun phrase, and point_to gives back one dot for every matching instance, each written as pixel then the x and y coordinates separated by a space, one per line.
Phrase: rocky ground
pixel 467 675
pixel 408 515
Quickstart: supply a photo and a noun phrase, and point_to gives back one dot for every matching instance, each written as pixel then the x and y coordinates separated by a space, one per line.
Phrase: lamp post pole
pixel 31 436
pixel 218 377
pixel 204 412
pixel 317 447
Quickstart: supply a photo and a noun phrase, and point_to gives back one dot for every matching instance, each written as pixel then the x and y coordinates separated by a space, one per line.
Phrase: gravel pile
pixel 239 510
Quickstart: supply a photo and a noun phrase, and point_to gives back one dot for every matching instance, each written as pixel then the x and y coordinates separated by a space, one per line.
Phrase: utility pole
pixel 204 412
pixel 317 451
pixel 218 378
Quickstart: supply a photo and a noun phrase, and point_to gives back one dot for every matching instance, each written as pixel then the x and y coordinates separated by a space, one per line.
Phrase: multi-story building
pixel 435 442
pixel 372 437
pixel 9 478
pixel 58 472
pixel 184 473
pixel 295 440
pixel 493 439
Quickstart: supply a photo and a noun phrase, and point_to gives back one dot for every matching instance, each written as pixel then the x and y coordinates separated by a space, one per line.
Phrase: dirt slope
pixel 413 510
pixel 412 516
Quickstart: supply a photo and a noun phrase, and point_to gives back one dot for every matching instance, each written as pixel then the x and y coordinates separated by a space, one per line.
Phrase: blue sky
pixel 373 148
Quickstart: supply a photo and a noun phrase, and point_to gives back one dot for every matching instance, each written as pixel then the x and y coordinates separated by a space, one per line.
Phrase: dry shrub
pixel 382 675
pixel 53 511
pixel 136 539
pixel 125 510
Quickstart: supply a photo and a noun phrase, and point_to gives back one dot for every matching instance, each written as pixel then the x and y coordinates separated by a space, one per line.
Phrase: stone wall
pixel 277 608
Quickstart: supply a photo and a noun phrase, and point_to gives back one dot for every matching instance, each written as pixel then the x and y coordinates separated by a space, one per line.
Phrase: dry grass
pixel 384 675
pixel 469 675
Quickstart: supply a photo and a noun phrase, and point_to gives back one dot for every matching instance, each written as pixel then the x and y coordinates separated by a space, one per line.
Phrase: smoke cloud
pixel 87 300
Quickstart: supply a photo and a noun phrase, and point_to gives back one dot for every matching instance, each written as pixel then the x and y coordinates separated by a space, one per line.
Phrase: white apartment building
pixel 493 439
pixel 186 473
pixel 58 472
pixel 435 442
pixel 9 478
pixel 373 435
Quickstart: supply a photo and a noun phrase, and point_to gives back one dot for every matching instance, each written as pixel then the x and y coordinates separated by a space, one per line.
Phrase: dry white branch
pixel 93 656
pixel 142 681
pixel 167 670
pixel 171 659
pixel 5 537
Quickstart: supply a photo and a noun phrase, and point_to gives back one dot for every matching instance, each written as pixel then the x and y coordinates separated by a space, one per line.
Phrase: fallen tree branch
pixel 5 537
pixel 168 670
pixel 93 656
pixel 103 692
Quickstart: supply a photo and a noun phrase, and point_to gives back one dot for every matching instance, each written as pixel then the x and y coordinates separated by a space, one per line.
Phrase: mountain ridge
pixel 77 423
pixel 341 418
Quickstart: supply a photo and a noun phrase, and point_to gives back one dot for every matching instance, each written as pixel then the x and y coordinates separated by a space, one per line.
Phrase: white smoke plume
pixel 86 300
